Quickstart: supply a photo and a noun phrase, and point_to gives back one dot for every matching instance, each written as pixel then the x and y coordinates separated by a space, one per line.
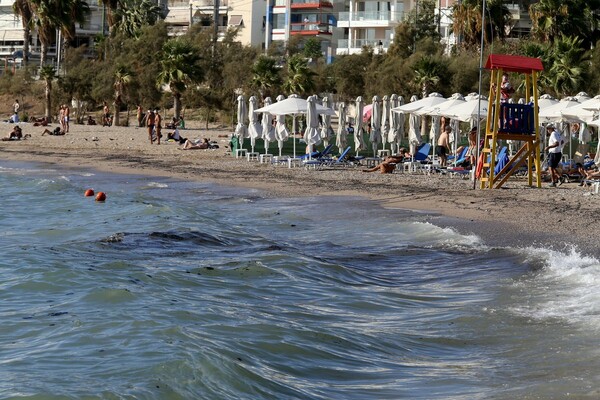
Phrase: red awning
pixel 513 63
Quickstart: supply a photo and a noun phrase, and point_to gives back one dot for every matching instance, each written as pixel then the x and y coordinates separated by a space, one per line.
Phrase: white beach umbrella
pixel 584 112
pixel 546 101
pixel 431 100
pixel 554 113
pixel 359 143
pixel 294 105
pixel 254 127
pixel 342 133
pixel 326 131
pixel 385 120
pixel 437 109
pixel 241 130
pixel 582 96
pixel 375 136
pixel 467 111
pixel 281 131
pixel 268 130
pixel 311 134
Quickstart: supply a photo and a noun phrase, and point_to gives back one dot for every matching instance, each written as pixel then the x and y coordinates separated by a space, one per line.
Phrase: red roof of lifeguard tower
pixel 514 63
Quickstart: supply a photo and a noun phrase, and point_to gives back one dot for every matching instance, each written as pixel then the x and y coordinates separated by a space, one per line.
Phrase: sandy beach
pixel 511 216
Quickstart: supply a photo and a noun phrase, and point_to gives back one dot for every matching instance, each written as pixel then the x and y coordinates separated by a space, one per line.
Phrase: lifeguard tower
pixel 518 122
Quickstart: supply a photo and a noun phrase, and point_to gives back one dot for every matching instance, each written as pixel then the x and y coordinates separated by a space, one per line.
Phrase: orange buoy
pixel 89 193
pixel 100 196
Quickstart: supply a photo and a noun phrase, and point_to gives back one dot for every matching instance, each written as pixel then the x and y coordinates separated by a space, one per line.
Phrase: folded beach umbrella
pixel 326 131
pixel 400 122
pixel 359 143
pixel 414 127
pixel 311 134
pixel 241 130
pixel 281 131
pixel 385 120
pixel 392 117
pixel 434 131
pixel 342 133
pixel 254 127
pixel 268 130
pixel 375 135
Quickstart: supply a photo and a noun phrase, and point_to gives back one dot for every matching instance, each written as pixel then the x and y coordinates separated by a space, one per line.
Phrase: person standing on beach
pixel 105 115
pixel 16 106
pixel 67 112
pixel 158 125
pixel 150 124
pixel 61 117
pixel 443 145
pixel 555 144
pixel 139 115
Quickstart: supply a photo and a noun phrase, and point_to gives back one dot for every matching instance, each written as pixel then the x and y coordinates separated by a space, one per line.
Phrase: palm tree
pixel 123 77
pixel 300 78
pixel 111 8
pixel 548 18
pixel 567 73
pixel 74 12
pixel 265 75
pixel 23 9
pixel 46 21
pixel 48 74
pixel 427 74
pixel 179 68
pixel 467 23
pixel 133 15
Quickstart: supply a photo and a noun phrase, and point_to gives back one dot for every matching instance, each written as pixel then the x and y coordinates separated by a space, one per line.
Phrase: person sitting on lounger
pixel 56 132
pixel 91 121
pixel 388 164
pixel 189 145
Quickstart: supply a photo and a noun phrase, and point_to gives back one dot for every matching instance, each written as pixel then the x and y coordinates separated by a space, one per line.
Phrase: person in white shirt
pixel 554 148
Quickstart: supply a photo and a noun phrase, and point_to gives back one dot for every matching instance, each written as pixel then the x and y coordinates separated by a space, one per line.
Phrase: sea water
pixel 179 290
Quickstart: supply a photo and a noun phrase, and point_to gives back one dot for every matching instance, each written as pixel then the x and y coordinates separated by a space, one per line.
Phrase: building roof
pixel 11 35
pixel 512 63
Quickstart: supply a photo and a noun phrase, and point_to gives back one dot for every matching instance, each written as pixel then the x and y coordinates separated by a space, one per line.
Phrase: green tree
pixel 428 73
pixel 265 76
pixel 132 15
pixel 179 68
pixel 403 44
pixel 24 10
pixel 467 23
pixel 48 74
pixel 122 78
pixel 312 48
pixel 300 78
pixel 570 62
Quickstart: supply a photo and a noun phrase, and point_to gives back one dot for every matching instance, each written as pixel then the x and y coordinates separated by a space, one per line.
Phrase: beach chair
pixel 340 161
pixel 418 159
pixel 316 154
pixel 460 158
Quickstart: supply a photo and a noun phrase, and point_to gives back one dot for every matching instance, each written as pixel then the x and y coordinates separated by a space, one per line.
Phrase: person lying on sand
pixel 388 164
pixel 56 132
pixel 188 145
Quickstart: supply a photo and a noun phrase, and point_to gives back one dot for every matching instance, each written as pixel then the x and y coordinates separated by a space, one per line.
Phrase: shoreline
pixel 516 215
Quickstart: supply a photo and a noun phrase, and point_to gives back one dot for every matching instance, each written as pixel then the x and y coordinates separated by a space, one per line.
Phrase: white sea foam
pixel 567 287
pixel 157 185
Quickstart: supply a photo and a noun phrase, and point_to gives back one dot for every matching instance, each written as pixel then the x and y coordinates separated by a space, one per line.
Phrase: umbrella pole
pixel 294 134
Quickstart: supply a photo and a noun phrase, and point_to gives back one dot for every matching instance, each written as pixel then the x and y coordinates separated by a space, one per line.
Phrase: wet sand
pixel 515 215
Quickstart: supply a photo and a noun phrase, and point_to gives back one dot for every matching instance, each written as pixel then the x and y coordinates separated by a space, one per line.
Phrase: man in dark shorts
pixel 554 148
pixel 443 145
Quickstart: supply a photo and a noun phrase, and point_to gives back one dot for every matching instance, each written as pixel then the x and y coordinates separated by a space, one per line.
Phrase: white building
pixel 369 23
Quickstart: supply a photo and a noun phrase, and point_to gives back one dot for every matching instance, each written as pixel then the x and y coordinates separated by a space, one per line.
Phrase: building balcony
pixel 304 4
pixel 360 19
pixel 311 28
pixel 355 46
